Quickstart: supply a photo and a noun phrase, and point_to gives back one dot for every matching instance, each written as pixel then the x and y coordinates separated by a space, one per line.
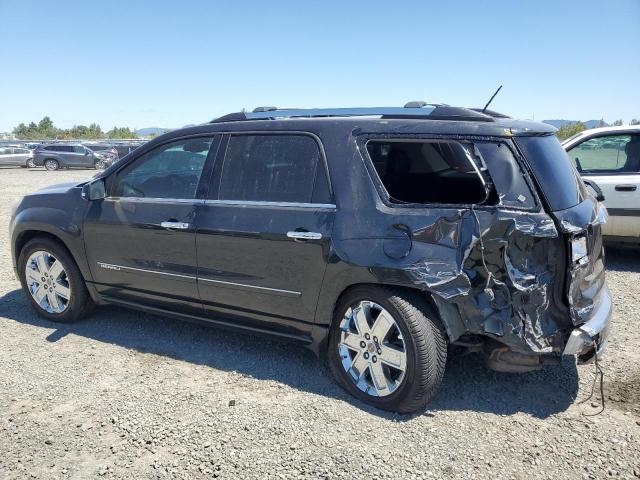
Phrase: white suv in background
pixel 608 159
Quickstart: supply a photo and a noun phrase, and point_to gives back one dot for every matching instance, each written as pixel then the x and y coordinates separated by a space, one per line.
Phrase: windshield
pixel 557 178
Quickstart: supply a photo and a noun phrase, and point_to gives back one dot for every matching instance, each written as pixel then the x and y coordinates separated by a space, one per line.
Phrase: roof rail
pixel 415 104
pixel 491 113
pixel 422 111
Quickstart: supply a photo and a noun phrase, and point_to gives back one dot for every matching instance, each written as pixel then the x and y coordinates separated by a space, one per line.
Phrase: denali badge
pixel 108 266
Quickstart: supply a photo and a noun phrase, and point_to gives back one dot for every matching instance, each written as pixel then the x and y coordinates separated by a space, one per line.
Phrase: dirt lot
pixel 130 395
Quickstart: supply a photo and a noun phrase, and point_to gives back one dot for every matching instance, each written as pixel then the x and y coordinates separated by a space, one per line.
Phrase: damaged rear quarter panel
pixel 504 286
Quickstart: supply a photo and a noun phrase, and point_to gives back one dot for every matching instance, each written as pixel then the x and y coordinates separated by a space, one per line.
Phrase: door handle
pixel 304 235
pixel 626 188
pixel 175 225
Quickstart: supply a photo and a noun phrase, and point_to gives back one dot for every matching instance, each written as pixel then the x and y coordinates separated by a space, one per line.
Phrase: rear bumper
pixel 591 338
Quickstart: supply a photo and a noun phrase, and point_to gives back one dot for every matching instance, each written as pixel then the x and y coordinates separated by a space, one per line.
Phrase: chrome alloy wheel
pixel 372 349
pixel 47 282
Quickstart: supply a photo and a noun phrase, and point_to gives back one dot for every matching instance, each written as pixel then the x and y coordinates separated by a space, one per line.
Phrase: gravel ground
pixel 130 395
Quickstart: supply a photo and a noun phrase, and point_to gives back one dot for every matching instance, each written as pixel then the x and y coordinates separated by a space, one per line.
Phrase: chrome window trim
pixel 191 201
pixel 259 203
pixel 110 266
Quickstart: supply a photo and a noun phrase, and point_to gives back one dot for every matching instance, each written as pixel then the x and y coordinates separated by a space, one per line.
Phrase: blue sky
pixel 171 63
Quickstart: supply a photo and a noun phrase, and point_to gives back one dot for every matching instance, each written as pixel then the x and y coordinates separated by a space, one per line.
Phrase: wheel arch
pixel 445 312
pixel 25 235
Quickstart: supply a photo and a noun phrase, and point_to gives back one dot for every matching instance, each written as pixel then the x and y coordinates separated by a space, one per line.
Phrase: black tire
pixel 30 164
pixel 51 164
pixel 425 345
pixel 79 304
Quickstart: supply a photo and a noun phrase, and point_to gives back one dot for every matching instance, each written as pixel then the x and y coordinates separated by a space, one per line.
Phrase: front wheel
pixel 387 348
pixel 31 163
pixel 52 281
pixel 51 164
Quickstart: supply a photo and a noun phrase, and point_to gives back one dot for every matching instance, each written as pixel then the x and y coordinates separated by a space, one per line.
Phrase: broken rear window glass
pixel 506 175
pixel 427 171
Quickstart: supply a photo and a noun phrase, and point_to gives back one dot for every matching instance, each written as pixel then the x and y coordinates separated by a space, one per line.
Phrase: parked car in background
pixel 22 157
pixel 377 237
pixel 608 159
pixel 107 153
pixel 126 148
pixel 55 156
pixel 102 148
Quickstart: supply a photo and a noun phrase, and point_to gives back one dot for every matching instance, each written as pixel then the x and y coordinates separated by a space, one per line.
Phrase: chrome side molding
pixel 290 293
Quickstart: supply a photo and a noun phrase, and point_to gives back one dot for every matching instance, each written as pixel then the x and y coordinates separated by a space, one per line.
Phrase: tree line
pixel 46 130
pixel 570 129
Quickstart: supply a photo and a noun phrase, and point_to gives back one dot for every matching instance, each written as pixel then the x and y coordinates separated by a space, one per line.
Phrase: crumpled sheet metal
pixel 508 291
pixel 587 275
pixel 578 218
pixel 587 280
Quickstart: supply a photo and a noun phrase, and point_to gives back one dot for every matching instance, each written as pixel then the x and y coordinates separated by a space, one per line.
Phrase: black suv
pixel 382 238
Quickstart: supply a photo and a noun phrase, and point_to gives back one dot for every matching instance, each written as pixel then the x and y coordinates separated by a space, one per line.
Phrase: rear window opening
pixel 428 171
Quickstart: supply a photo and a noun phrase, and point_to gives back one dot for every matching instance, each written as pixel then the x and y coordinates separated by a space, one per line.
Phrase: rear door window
pixel 273 168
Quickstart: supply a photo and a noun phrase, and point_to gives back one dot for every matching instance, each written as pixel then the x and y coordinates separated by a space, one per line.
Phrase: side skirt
pixel 227 325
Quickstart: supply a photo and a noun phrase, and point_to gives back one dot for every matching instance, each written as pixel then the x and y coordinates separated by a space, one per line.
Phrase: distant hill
pixel 560 123
pixel 145 132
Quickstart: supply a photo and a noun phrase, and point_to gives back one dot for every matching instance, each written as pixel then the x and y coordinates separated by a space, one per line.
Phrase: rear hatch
pixel 579 218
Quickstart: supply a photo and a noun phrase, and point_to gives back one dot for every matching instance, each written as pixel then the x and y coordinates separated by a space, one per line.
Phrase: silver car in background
pixel 22 157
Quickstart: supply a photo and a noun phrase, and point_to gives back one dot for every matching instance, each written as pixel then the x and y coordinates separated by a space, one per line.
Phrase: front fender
pixel 65 224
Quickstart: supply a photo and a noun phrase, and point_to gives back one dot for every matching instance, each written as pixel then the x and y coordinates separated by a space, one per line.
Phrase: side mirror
pixel 87 152
pixel 94 190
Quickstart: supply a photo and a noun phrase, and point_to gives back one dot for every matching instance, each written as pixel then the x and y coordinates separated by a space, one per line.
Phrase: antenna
pixel 491 99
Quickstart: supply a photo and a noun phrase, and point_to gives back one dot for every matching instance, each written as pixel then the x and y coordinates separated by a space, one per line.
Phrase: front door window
pixel 172 170
pixel 607 155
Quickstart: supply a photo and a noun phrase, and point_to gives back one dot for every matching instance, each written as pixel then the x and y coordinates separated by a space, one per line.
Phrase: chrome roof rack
pixel 413 110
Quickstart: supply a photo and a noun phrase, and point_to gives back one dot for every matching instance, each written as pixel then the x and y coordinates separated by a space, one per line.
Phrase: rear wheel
pixel 51 164
pixel 53 282
pixel 387 348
